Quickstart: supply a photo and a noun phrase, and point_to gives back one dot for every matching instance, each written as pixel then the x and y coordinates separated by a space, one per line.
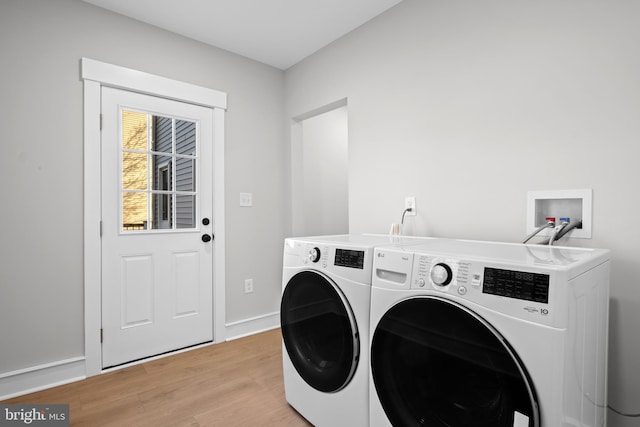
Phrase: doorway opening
pixel 319 166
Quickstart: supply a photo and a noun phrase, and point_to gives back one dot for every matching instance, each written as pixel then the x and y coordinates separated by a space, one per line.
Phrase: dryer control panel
pixel 350 258
pixel 352 263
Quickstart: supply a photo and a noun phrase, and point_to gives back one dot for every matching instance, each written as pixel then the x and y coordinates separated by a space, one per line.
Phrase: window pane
pixel 162 134
pixel 185 211
pixel 134 130
pixel 185 174
pixel 185 137
pixel 134 211
pixel 162 211
pixel 162 173
pixel 134 171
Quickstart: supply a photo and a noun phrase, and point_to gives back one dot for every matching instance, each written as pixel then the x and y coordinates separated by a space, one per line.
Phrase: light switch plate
pixel 246 199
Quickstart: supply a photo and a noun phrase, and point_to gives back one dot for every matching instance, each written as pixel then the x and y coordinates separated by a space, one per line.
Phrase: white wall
pixel 41 166
pixel 468 105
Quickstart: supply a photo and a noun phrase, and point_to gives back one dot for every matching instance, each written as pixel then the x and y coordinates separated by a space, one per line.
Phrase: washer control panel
pixel 439 273
pixel 514 291
pixel 516 284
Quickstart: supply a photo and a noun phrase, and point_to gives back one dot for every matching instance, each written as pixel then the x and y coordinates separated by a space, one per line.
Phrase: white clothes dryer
pixel 325 325
pixel 484 334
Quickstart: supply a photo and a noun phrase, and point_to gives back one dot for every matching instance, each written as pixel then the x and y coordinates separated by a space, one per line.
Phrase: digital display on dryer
pixel 349 258
pixel 516 284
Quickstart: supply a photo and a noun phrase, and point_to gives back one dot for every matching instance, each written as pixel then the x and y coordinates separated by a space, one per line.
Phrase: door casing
pixel 96 74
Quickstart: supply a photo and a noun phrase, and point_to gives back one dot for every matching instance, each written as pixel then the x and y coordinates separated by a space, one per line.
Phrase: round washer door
pixel 436 363
pixel 319 331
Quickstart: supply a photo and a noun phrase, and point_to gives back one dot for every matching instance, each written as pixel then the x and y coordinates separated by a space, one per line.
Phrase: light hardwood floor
pixel 236 383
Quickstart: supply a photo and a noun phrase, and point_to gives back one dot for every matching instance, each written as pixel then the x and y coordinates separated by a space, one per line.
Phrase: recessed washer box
pixel 572 204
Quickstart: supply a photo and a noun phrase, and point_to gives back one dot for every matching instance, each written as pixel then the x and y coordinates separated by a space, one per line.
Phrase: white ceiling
pixel 276 32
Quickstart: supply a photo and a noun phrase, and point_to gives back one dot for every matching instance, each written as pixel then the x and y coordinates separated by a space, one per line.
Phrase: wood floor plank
pixel 237 383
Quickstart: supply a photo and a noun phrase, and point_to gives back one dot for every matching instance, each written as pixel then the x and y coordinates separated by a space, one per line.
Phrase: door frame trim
pixel 95 75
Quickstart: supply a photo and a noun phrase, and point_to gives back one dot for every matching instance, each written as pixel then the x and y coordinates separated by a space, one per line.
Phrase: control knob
pixel 441 274
pixel 314 254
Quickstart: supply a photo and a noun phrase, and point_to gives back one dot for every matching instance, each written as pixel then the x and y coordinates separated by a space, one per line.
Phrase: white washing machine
pixel 324 317
pixel 486 334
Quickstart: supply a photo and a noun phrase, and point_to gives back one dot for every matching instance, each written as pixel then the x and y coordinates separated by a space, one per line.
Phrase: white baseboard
pixel 36 378
pixel 41 377
pixel 246 327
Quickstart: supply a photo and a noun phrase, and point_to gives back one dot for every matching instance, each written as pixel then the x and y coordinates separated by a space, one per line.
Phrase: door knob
pixel 206 238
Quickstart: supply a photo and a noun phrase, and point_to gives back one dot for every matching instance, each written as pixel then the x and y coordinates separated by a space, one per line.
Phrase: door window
pixel 158 170
pixel 436 363
pixel 319 331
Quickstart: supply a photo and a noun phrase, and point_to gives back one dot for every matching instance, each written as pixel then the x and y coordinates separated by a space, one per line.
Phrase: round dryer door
pixel 319 331
pixel 436 363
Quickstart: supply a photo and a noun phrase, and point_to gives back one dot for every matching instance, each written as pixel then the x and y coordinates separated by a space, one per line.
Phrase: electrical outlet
pixel 410 203
pixel 248 286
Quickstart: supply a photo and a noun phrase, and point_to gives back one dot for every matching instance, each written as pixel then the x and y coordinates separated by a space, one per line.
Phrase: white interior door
pixel 157 207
